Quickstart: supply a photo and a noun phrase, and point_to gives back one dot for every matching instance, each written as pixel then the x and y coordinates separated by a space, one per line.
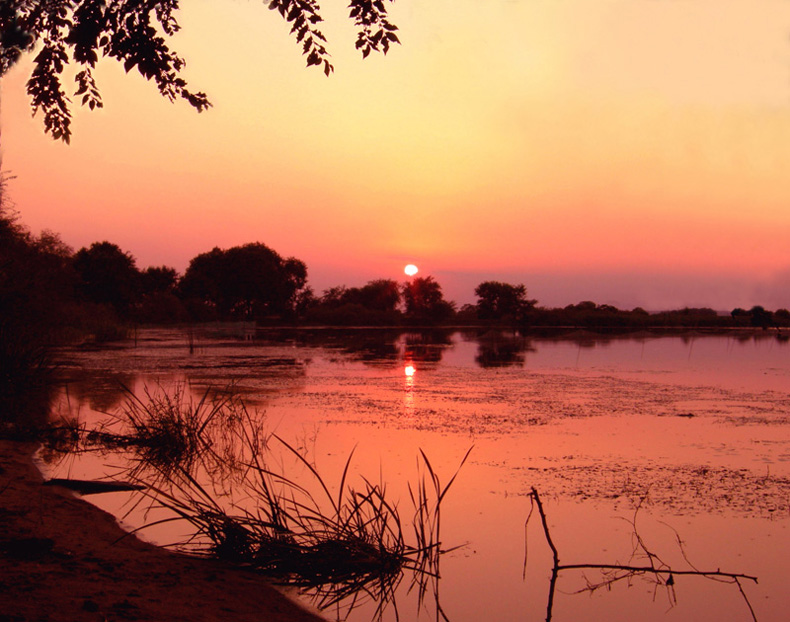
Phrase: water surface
pixel 693 428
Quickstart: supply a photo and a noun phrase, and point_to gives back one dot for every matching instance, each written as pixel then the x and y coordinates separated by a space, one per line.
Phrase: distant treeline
pixel 601 317
pixel 48 288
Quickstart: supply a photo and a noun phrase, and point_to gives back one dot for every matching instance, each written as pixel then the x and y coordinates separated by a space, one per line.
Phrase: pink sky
pixel 625 151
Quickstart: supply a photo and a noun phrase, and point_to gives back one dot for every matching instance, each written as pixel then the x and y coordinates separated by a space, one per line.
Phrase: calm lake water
pixel 695 428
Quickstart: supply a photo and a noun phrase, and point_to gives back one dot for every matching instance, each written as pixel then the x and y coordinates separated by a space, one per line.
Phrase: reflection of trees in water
pixel 365 345
pixel 374 351
pixel 101 389
pixel 379 346
pixel 371 345
pixel 496 347
pixel 502 349
pixel 226 356
pixel 499 348
pixel 426 346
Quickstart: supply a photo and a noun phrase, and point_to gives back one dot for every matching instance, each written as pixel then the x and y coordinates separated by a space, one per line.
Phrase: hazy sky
pixel 632 152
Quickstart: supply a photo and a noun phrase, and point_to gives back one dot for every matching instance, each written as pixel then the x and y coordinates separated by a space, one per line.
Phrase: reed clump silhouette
pixel 169 433
pixel 209 463
pixel 333 544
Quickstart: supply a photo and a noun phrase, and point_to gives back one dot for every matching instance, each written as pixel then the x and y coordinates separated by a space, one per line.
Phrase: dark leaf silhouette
pixel 134 33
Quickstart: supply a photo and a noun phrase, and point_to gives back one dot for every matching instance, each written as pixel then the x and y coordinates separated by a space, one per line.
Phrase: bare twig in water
pixel 662 572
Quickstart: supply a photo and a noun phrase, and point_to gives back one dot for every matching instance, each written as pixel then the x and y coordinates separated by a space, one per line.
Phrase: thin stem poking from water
pixel 555 555
pixel 555 570
pixel 663 573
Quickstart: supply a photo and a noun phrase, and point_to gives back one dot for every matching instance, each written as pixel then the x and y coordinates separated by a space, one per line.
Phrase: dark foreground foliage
pixel 30 291
pixel 68 35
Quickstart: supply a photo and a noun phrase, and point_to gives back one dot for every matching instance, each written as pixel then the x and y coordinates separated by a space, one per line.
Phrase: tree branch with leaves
pixel 63 33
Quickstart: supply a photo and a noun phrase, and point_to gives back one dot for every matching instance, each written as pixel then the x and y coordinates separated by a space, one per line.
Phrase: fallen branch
pixel 664 574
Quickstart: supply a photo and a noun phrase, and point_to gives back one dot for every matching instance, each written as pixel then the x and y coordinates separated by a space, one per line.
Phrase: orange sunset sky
pixel 631 152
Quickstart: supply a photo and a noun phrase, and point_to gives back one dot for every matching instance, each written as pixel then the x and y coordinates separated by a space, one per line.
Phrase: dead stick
pixel 557 567
pixel 555 570
pixel 746 598
pixel 654 570
pixel 546 527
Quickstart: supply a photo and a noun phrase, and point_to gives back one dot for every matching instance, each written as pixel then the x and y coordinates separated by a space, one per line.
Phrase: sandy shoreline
pixel 61 559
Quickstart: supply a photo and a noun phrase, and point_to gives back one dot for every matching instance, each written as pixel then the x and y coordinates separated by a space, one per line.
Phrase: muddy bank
pixel 64 559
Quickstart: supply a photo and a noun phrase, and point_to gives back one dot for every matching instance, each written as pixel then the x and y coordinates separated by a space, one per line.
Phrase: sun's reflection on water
pixel 408 398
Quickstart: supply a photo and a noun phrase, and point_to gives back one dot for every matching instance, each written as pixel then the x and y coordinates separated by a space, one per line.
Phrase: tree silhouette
pixel 36 292
pixel 107 275
pixel 135 33
pixel 373 304
pixel 250 281
pixel 496 300
pixel 760 317
pixel 379 295
pixel 158 279
pixel 425 302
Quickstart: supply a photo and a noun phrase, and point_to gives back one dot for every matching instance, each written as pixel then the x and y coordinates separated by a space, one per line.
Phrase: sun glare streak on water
pixel 408 396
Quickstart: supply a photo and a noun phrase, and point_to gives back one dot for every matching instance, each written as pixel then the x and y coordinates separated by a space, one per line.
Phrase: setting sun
pixel 410 270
